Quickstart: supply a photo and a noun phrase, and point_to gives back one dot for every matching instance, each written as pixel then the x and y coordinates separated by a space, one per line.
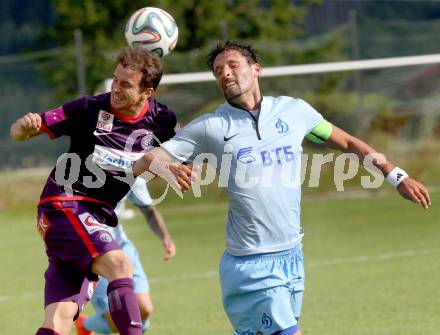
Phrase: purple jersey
pixel 103 148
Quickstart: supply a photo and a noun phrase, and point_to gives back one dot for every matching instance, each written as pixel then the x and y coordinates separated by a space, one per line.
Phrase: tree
pixel 201 22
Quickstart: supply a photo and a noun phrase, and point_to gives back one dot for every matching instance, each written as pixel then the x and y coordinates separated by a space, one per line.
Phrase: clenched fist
pixel 26 126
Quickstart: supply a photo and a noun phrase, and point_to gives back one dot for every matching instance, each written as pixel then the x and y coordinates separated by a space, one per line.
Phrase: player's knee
pixel 61 327
pixel 122 266
pixel 113 265
pixel 146 310
pixel 145 305
pixel 59 317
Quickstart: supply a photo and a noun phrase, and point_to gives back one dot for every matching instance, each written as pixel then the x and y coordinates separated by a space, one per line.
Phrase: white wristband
pixel 396 176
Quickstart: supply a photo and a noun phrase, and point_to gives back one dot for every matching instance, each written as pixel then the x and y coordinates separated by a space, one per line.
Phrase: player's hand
pixel 183 175
pixel 169 248
pixel 414 191
pixel 27 126
pixel 178 176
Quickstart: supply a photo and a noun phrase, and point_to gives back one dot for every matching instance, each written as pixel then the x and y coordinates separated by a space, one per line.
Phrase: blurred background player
pixel 101 322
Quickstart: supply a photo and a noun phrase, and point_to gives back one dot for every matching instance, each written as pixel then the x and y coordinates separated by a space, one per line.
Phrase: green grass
pixel 371 267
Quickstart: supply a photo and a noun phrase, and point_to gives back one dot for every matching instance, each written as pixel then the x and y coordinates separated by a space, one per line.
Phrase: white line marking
pixel 169 279
pixel 358 259
pixel 379 258
pixel 212 274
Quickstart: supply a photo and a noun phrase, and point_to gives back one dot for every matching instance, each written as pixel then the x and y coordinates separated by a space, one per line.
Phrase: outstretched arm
pixel 161 163
pixel 407 187
pixel 26 127
pixel 158 226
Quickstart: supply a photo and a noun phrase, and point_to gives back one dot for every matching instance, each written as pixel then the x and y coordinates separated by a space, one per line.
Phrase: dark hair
pixel 147 62
pixel 246 50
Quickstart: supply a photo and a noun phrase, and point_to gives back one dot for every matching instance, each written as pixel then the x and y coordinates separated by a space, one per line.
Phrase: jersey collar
pixel 128 119
pixel 238 107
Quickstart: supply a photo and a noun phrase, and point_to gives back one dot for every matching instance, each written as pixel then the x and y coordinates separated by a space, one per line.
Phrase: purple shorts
pixel 74 233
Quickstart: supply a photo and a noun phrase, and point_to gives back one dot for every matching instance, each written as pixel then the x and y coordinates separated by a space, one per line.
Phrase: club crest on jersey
pixel 105 121
pixel 266 321
pixel 282 126
pixel 147 140
pixel 105 237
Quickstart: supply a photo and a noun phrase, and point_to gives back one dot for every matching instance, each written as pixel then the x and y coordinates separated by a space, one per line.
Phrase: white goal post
pixel 291 70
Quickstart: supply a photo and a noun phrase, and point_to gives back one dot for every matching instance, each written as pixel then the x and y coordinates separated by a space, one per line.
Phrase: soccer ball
pixel 153 29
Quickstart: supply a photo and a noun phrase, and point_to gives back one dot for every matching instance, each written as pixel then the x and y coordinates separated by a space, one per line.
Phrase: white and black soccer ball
pixel 153 29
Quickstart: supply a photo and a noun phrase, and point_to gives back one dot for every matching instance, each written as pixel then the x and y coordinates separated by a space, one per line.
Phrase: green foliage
pixel 342 109
pixel 201 23
pixel 102 26
pixel 396 37
pixel 270 53
pixel 403 9
pixel 20 22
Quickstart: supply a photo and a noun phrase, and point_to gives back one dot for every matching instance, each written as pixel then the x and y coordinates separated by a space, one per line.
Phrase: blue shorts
pixel 263 292
pixel 99 298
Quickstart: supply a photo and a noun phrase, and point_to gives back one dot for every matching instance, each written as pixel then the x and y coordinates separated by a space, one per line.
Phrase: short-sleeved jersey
pixel 139 196
pixel 103 146
pixel 263 181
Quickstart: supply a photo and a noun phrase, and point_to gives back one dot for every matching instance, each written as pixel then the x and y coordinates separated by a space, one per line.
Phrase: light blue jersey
pixel 140 196
pixel 263 181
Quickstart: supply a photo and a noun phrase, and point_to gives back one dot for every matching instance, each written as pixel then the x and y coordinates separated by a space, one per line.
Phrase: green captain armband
pixel 321 132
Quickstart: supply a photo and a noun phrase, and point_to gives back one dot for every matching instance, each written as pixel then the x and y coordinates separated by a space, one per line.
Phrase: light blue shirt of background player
pixel 101 322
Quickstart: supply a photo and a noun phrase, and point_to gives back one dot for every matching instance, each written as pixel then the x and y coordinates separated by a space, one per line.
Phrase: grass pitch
pixel 371 264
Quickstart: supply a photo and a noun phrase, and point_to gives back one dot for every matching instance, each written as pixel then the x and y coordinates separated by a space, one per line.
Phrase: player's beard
pixel 238 92
pixel 233 93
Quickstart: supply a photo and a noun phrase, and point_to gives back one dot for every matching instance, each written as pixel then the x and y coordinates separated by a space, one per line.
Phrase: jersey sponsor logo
pixel 266 320
pixel 90 223
pixel 114 159
pixel 277 155
pixel 43 225
pixel 105 121
pixel 282 126
pixel 227 138
pixel 269 157
pixel 245 156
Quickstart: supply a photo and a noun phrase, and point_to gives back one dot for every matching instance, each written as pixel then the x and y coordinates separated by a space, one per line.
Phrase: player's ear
pixel 148 93
pixel 257 69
